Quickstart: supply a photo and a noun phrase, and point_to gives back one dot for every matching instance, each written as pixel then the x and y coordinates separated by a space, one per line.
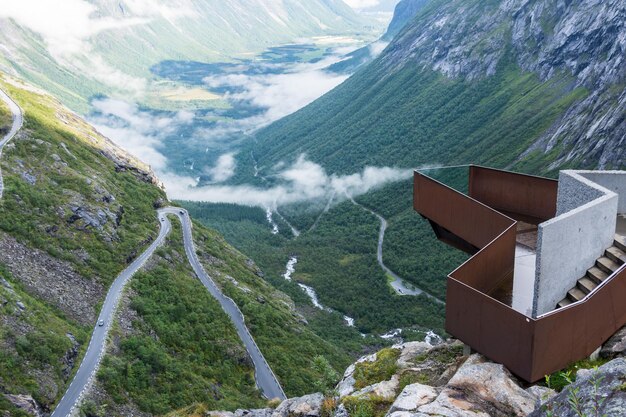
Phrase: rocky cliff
pixel 544 78
pixel 586 39
pixel 417 379
pixel 402 15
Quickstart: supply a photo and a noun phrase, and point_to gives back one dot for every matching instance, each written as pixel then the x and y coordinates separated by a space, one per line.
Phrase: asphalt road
pixel 265 378
pixel 18 121
pixel 95 351
pixel 398 283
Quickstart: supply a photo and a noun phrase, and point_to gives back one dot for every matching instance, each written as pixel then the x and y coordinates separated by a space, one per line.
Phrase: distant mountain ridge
pixel 404 11
pixel 531 85
pixel 141 34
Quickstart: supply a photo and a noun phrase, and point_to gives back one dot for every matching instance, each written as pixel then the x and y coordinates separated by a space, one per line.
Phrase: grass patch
pixel 371 406
pixel 382 369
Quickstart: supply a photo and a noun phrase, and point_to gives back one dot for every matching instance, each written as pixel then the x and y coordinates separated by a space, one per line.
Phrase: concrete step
pixel 586 285
pixel 616 255
pixel 607 265
pixel 597 275
pixel 620 242
pixel 564 302
pixel 575 294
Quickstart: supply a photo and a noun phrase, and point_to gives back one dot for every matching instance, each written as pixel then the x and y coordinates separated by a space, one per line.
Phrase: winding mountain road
pixel 265 378
pixel 97 344
pixel 18 121
pixel 398 283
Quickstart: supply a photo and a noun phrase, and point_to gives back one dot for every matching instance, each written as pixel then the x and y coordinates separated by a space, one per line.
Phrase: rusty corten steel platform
pixel 530 347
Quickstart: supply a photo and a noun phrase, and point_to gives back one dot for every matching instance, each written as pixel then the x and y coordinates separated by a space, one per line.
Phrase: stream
pixel 310 291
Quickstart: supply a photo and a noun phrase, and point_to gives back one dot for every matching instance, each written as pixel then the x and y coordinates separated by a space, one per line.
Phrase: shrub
pixel 382 369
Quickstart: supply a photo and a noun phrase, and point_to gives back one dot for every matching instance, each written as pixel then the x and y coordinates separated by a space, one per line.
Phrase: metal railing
pixel 530 347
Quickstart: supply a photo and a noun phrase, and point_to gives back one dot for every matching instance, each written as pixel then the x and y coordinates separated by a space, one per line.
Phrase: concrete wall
pixel 570 243
pixel 611 180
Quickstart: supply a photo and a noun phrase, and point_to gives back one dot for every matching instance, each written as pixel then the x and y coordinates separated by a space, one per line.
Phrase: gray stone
pixel 409 351
pixel 615 346
pixel 542 394
pixel 384 389
pixel 6 284
pixel 481 389
pixel 603 388
pixel 25 403
pixel 20 305
pixel 306 406
pixel 260 412
pixel 412 397
pixel 346 385
pixel 341 411
pixel 29 178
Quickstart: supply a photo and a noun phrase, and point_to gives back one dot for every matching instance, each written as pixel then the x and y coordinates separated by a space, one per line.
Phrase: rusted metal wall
pixel 472 221
pixel 524 197
pixel 574 332
pixel 530 348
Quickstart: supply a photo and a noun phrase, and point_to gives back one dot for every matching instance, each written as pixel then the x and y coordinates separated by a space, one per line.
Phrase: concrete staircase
pixel 614 257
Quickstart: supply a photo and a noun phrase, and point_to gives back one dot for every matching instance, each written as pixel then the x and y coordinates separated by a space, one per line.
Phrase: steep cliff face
pixel 402 15
pixel 585 39
pixel 474 60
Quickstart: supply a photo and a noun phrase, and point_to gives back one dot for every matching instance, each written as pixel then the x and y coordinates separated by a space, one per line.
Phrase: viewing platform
pixel 534 242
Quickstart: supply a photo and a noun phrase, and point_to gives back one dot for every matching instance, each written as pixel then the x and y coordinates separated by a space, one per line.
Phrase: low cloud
pixel 67 27
pixel 224 169
pixel 304 180
pixel 376 48
pixel 139 132
pixel 279 94
pixel 362 4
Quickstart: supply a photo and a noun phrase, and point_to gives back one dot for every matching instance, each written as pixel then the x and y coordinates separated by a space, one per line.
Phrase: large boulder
pixel 383 389
pixel 307 406
pixel 412 397
pixel 601 392
pixel 481 389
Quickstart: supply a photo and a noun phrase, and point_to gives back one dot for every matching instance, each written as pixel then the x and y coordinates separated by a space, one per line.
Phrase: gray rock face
pixel 307 406
pixel 346 385
pixel 481 388
pixel 412 397
pixel 384 389
pixel 29 178
pixel 52 280
pixel 585 39
pixel 603 389
pixel 25 403
pixel 616 345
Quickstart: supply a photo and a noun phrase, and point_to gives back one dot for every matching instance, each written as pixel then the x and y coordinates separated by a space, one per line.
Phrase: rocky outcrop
pixel 403 13
pixel 584 39
pixel 474 387
pixel 412 397
pixel 25 403
pixel 616 345
pixel 306 406
pixel 598 392
pixel 52 280
pixel 481 388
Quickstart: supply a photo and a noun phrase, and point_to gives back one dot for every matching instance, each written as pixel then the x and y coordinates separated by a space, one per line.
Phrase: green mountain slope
pixel 75 211
pixel 496 83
